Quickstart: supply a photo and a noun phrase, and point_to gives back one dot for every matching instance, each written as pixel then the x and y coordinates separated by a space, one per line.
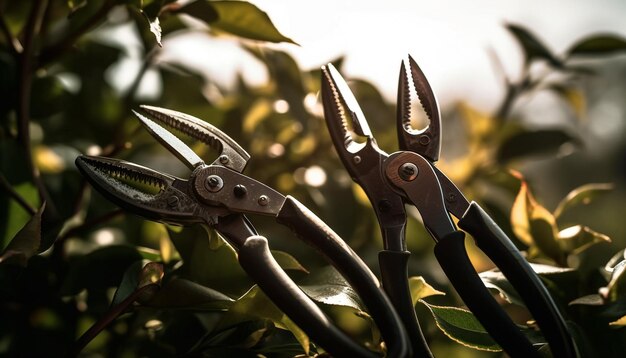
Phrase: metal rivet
pixel 424 139
pixel 408 171
pixel 172 201
pixel 214 183
pixel 263 200
pixel 224 159
pixel 240 190
pixel 357 159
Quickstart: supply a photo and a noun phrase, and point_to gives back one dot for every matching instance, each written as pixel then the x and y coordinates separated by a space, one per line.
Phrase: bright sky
pixel 449 39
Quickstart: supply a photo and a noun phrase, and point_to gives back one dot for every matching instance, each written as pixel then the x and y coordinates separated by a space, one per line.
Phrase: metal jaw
pixel 425 141
pixel 141 190
pixel 362 160
pixel 232 155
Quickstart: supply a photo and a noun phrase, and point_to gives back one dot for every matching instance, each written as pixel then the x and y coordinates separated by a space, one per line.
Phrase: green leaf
pixel 239 18
pixel 255 303
pixel 129 283
pixel 26 243
pixel 495 279
pixel 616 288
pixel 544 234
pixel 420 289
pixel 462 327
pixel 578 238
pixel 138 275
pixel 288 262
pixel 327 286
pixel 598 45
pixel 533 143
pixel 588 300
pixel 201 10
pixel 583 195
pixel 533 48
pixel 179 293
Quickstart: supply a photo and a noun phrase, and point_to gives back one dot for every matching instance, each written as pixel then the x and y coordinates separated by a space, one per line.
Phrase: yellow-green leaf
pixel 239 18
pixel 288 262
pixel 26 242
pixel 578 238
pixel 461 326
pixel 603 44
pixel 420 289
pixel 620 322
pixel 583 195
pixel 256 304
pixel 520 216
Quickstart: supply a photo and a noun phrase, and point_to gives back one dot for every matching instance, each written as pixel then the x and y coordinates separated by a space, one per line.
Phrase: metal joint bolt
pixel 214 183
pixel 408 171
pixel 224 159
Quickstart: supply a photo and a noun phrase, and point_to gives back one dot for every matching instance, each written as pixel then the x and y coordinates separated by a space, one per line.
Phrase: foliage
pixel 79 274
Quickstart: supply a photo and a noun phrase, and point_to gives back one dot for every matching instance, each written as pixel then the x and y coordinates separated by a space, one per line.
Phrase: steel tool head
pixel 141 190
pixel 231 154
pixel 425 141
pixel 343 114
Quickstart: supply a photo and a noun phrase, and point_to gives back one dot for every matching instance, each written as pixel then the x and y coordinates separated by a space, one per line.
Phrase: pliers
pixel 410 176
pixel 218 195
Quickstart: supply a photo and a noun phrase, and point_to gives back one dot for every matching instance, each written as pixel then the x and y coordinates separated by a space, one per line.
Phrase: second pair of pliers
pixel 219 195
pixel 410 176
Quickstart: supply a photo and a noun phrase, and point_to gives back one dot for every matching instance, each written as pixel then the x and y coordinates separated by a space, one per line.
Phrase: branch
pixel 109 317
pixel 14 43
pixel 26 66
pixel 4 184
pixel 52 53
pixel 90 224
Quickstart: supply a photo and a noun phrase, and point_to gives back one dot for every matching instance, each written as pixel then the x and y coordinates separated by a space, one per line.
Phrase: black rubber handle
pixel 316 233
pixel 256 259
pixel 395 278
pixel 494 242
pixel 452 256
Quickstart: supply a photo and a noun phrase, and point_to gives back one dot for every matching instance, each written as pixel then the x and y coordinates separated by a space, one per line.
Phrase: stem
pixel 14 43
pixel 26 66
pixel 52 53
pixel 90 224
pixel 4 184
pixel 109 317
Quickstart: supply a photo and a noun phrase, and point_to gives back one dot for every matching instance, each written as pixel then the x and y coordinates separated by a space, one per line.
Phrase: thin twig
pixel 52 53
pixel 24 95
pixel 14 43
pixel 90 224
pixel 4 184
pixel 109 317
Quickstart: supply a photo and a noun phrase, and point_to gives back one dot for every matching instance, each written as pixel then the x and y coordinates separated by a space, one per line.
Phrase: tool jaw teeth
pixel 232 155
pixel 425 141
pixel 344 117
pixel 138 189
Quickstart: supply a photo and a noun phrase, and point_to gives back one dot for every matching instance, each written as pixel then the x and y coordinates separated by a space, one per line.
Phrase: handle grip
pixel 452 256
pixel 494 242
pixel 394 276
pixel 256 259
pixel 316 233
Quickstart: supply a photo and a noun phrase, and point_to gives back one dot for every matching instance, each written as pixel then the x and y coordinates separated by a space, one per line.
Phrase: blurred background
pixel 534 126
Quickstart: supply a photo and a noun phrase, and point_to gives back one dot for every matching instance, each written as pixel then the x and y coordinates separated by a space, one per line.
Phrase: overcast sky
pixel 449 39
